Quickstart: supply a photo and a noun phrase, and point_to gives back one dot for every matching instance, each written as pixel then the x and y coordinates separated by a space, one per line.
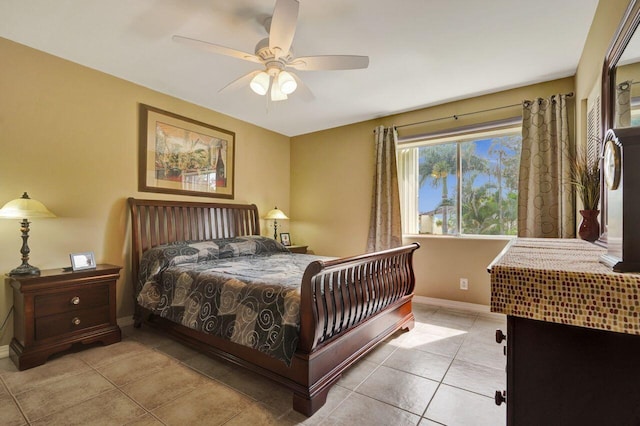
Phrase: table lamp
pixel 275 215
pixel 25 208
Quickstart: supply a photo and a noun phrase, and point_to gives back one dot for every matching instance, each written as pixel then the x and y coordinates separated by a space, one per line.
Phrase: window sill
pixel 459 236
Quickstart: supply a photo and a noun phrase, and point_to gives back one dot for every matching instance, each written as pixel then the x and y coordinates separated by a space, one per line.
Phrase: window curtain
pixel 623 105
pixel 385 229
pixel 546 201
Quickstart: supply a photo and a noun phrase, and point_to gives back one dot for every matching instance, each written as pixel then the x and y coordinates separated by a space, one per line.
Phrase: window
pixel 461 184
pixel 635 113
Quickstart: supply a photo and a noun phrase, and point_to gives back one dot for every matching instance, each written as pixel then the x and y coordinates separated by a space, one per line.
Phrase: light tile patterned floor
pixel 445 371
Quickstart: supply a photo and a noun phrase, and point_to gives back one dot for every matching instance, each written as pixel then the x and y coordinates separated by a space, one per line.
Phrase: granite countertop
pixel 562 281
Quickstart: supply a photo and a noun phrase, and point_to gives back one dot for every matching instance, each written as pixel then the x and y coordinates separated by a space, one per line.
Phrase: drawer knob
pixel 500 397
pixel 500 336
pixel 75 321
pixel 75 300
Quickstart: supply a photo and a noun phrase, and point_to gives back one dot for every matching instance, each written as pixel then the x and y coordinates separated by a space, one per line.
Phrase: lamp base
pixel 25 269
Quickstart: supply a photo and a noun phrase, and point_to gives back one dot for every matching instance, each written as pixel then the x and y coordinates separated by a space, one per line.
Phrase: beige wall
pixel 69 136
pixel 331 185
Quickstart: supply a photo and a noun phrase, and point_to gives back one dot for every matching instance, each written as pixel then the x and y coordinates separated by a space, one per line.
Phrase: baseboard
pixel 454 304
pixel 125 321
pixel 4 351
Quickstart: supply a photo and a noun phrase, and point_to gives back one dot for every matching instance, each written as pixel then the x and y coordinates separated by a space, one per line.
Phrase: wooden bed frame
pixel 347 305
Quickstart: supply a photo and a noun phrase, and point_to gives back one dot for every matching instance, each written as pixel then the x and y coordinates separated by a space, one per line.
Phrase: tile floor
pixel 443 372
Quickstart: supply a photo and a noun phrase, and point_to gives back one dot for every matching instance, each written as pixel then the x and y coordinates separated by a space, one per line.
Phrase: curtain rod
pixel 456 116
pixel 627 82
pixel 460 131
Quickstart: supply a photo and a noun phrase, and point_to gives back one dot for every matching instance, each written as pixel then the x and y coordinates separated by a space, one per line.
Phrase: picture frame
pixel 82 261
pixel 179 155
pixel 285 238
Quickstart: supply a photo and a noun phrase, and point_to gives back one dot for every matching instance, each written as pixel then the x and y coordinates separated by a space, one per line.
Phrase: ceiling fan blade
pixel 241 81
pixel 329 62
pixel 303 90
pixel 216 48
pixel 283 26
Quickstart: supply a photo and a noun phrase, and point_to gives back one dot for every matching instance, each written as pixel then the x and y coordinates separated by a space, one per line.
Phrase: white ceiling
pixel 422 52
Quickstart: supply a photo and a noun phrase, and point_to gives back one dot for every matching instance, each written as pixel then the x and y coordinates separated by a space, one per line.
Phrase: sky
pixel 429 197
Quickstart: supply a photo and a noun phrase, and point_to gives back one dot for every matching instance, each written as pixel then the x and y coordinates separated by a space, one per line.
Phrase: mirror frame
pixel 628 26
pixel 626 29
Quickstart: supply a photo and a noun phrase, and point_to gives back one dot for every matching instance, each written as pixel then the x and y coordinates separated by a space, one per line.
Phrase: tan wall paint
pixel 331 186
pixel 629 72
pixel 69 136
pixel 331 183
pixel 442 261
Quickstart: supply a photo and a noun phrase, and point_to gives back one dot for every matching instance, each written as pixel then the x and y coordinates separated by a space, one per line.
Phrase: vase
pixel 589 228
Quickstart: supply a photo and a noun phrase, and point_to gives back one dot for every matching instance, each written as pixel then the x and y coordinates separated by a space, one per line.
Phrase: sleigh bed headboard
pixel 155 222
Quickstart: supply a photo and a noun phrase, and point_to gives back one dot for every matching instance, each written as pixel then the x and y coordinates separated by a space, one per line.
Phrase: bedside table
pixel 56 309
pixel 298 249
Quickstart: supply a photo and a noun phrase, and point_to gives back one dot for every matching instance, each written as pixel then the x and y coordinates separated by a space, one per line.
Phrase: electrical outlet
pixel 464 284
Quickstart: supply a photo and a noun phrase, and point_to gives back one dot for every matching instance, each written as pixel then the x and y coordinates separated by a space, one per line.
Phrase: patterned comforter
pixel 243 289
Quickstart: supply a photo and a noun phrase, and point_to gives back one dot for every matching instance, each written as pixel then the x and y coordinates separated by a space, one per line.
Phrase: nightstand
pixel 298 249
pixel 58 308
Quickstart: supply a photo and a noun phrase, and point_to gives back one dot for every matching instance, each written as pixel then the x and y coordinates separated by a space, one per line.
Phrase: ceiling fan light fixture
pixel 260 83
pixel 276 93
pixel 274 53
pixel 287 83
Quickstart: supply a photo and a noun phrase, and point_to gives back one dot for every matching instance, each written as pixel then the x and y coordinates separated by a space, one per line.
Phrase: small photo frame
pixel 285 239
pixel 81 261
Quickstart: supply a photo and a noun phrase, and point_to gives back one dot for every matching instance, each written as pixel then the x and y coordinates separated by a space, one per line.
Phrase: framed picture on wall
pixel 285 239
pixel 179 155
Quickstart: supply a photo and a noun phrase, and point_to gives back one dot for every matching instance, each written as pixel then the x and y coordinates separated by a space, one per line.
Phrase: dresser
pixel 59 308
pixel 572 338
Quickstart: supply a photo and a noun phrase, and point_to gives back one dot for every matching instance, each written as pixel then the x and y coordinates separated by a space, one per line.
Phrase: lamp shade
pixel 276 214
pixel 260 83
pixel 24 208
pixel 286 82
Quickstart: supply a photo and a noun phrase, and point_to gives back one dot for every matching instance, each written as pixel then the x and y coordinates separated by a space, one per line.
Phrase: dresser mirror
pixel 620 145
pixel 617 54
pixel 621 74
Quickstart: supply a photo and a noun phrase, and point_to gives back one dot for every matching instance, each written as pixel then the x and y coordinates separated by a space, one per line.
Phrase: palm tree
pixel 439 174
pixel 437 162
pixel 506 149
pixel 486 209
pixel 478 207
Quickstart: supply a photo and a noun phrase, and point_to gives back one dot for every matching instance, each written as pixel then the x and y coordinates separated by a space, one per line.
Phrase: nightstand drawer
pixel 69 301
pixel 56 325
pixel 60 308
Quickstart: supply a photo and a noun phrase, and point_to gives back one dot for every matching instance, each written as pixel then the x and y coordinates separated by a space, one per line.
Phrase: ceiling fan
pixel 274 53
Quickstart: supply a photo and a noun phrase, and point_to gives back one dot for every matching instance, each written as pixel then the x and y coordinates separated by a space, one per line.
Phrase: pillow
pixel 157 259
pixel 268 245
pixel 248 245
pixel 197 251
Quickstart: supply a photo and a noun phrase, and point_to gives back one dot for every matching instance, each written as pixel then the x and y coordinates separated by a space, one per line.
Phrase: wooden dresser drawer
pixel 70 301
pixel 58 308
pixel 68 322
